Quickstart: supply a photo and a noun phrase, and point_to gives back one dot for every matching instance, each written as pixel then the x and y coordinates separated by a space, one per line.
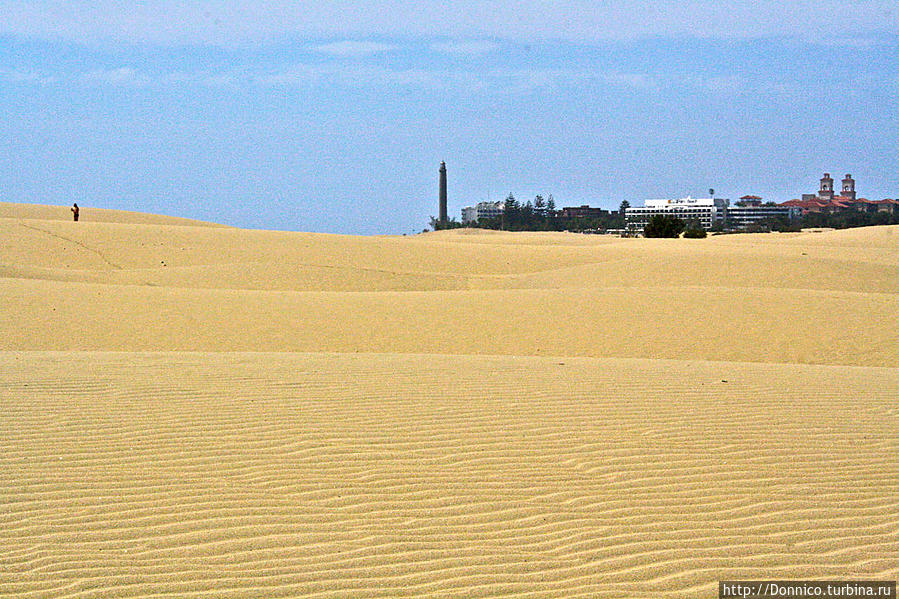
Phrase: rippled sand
pixel 207 411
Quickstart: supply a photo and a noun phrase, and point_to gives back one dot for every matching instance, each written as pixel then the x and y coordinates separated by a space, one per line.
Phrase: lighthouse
pixel 443 218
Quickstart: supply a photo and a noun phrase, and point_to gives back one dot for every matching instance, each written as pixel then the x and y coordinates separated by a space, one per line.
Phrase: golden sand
pixel 201 411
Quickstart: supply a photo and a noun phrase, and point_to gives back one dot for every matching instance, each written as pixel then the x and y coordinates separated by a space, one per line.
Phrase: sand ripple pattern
pixel 380 475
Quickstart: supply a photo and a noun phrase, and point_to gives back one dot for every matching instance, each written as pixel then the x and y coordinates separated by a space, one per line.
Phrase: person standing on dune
pixel 75 211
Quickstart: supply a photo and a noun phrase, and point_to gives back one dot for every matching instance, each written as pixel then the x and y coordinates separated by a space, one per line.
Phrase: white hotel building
pixel 706 211
pixel 472 214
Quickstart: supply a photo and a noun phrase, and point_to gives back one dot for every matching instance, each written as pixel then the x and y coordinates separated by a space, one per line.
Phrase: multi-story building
pixel 706 211
pixel 482 210
pixel 888 205
pixel 582 212
pixel 709 212
pixel 827 201
pixel 749 201
pixel 742 217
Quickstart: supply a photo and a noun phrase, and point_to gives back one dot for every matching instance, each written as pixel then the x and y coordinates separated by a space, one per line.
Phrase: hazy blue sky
pixel 334 116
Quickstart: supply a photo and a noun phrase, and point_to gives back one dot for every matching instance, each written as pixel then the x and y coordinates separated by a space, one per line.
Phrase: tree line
pixel 540 215
pixel 663 225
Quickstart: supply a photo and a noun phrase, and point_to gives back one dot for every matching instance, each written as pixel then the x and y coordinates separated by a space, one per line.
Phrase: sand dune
pixel 90 214
pixel 207 411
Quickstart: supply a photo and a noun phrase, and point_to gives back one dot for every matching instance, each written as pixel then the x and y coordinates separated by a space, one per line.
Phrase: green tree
pixel 694 231
pixel 663 225
pixel 528 216
pixel 848 218
pixel 438 225
pixel 622 214
pixel 511 213
pixel 540 206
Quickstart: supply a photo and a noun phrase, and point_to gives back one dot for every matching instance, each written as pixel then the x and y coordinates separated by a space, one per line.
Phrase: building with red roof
pixel 827 201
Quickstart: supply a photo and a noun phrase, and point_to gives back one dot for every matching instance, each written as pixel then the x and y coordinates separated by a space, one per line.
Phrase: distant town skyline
pixel 327 117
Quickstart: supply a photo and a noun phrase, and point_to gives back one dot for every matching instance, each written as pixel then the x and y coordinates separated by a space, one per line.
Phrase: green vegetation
pixel 438 225
pixel 848 219
pixel 694 231
pixel 541 215
pixel 663 225
pixel 840 220
pixel 766 225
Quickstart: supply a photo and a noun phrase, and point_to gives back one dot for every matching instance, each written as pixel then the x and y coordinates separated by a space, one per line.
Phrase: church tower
pixel 826 191
pixel 848 187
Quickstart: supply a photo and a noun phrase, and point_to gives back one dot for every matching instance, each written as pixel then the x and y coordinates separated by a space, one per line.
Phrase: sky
pixel 334 116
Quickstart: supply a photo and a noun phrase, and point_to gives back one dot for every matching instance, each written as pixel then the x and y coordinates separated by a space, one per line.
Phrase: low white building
pixel 706 211
pixel 472 214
